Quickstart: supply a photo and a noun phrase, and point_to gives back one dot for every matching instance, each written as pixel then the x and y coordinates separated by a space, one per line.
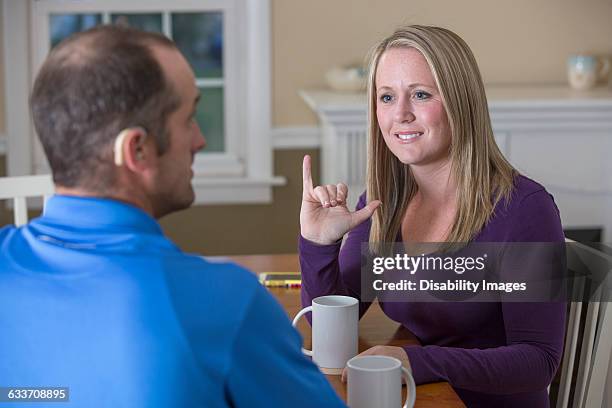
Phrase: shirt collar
pixel 98 212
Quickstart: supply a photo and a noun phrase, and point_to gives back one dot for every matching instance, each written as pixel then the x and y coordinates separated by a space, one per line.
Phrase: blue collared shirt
pixel 94 297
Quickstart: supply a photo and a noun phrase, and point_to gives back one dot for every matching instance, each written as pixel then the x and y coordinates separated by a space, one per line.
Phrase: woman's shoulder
pixel 527 194
pixel 530 213
pixel 525 187
pixel 362 201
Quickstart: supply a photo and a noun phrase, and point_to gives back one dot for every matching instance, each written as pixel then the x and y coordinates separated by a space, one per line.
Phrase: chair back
pixel 18 189
pixel 588 339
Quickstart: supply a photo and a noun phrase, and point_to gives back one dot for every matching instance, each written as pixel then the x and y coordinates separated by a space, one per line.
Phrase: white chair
pixel 570 348
pixel 20 188
pixel 588 340
pixel 595 379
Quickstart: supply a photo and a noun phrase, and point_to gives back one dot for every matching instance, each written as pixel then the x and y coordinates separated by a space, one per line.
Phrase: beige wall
pixel 237 229
pixel 2 127
pixel 515 42
pixel 520 41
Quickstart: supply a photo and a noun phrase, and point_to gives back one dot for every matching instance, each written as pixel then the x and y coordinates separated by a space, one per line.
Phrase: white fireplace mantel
pixel 559 137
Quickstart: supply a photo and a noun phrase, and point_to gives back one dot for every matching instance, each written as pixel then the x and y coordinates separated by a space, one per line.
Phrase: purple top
pixel 493 354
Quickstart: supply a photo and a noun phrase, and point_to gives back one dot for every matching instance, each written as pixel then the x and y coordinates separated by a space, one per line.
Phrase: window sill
pixel 238 190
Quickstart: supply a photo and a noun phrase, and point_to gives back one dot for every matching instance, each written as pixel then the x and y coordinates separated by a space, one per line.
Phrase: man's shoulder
pixel 6 231
pixel 193 266
pixel 197 277
pixel 7 234
pixel 213 300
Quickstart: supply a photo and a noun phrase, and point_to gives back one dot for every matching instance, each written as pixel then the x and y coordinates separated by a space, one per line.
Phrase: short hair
pixel 91 86
pixel 482 173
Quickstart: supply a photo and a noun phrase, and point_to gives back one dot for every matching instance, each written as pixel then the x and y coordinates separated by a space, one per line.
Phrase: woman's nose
pixel 403 111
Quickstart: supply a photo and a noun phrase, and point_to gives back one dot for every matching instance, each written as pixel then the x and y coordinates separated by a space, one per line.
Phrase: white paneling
pixel 560 138
pixel 565 159
pixel 249 142
pixel 2 144
pixel 16 43
pixel 306 137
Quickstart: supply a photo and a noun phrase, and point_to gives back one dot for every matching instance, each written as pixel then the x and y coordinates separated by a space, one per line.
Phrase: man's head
pixel 95 85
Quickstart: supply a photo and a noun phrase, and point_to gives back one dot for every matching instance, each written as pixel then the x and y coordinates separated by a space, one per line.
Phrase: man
pixel 93 297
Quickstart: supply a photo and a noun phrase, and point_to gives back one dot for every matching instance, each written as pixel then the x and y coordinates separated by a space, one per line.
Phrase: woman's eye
pixel 385 98
pixel 421 95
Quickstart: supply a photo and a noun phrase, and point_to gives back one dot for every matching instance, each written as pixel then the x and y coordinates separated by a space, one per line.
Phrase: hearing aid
pixel 118 146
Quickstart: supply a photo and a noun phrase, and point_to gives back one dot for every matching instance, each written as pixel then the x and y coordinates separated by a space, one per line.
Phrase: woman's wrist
pixel 319 241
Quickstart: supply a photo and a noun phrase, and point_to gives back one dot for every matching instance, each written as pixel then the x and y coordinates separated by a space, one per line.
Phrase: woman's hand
pixel 389 351
pixel 324 217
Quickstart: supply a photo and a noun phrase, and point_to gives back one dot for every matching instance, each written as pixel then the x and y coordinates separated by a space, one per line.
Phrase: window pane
pixel 199 36
pixel 146 22
pixel 62 25
pixel 210 118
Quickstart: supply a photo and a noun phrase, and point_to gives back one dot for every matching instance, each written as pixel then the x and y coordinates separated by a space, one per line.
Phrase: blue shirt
pixel 93 297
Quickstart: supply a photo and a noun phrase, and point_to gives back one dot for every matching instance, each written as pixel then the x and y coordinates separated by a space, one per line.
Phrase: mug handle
pixel 294 323
pixel 411 398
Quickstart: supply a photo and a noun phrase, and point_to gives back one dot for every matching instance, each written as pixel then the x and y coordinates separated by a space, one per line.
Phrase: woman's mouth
pixel 408 137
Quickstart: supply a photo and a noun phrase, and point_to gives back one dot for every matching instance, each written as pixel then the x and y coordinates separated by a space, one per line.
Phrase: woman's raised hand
pixel 324 217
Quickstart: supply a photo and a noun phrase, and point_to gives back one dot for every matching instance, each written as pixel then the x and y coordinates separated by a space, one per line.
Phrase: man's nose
pixel 200 142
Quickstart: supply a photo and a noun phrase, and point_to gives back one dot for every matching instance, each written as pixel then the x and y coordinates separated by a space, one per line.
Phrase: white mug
pixel 376 381
pixel 335 322
pixel 585 70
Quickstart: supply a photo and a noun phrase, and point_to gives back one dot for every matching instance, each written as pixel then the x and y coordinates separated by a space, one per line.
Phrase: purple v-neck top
pixel 493 354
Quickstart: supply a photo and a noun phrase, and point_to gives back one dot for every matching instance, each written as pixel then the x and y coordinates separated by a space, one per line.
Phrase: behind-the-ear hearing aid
pixel 118 147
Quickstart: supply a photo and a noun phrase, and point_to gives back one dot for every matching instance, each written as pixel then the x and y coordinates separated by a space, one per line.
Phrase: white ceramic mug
pixel 585 70
pixel 335 322
pixel 376 381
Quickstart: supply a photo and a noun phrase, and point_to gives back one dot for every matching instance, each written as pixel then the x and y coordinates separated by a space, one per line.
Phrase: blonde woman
pixel 435 174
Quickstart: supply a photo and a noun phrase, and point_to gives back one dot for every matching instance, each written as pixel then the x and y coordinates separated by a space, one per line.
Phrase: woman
pixel 435 174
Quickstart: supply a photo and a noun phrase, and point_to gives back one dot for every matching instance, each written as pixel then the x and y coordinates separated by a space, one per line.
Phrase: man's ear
pixel 131 149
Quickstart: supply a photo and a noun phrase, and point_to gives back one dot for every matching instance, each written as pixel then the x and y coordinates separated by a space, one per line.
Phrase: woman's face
pixel 409 109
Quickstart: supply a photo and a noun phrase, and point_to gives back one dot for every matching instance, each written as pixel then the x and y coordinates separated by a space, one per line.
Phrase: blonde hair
pixel 483 175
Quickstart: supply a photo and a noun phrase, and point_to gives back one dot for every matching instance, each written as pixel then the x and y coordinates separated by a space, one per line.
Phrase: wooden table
pixel 374 328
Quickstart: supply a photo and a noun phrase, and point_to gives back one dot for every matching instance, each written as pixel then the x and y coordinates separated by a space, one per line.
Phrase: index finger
pixel 306 174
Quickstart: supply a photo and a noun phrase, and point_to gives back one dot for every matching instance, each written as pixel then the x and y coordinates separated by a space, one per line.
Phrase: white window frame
pixel 242 174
